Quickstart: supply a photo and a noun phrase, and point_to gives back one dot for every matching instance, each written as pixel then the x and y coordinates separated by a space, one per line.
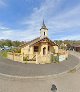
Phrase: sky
pixel 22 19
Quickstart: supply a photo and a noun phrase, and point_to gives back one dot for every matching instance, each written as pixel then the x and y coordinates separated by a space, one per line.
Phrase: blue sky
pixel 22 19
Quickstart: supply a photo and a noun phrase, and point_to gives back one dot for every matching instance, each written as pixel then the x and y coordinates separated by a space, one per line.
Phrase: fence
pixel 22 57
pixel 15 56
pixel 30 58
pixel 37 58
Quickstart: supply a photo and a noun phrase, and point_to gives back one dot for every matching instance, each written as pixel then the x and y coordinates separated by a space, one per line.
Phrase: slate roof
pixel 75 45
pixel 43 26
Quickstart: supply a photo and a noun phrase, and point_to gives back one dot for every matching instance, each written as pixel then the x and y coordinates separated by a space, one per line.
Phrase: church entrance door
pixel 44 50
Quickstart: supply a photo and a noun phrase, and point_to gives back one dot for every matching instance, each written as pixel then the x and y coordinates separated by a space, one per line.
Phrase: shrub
pixel 25 58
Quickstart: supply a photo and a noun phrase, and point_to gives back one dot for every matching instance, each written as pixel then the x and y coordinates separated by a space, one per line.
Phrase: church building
pixel 40 49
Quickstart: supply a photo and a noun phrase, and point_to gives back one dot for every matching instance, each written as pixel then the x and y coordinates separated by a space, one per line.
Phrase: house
pixel 76 48
pixel 40 49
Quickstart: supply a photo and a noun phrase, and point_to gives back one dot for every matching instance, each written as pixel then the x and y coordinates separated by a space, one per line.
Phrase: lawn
pixel 3 53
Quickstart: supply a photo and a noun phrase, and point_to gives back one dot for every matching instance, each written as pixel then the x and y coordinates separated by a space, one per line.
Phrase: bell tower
pixel 43 31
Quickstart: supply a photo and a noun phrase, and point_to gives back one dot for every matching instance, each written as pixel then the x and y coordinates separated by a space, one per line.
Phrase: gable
pixel 38 40
pixel 44 40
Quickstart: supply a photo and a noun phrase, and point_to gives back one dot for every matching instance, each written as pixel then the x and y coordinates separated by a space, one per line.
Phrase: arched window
pixel 48 48
pixel 44 33
pixel 44 50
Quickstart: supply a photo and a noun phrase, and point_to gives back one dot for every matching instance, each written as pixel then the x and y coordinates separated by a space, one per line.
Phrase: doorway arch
pixel 44 50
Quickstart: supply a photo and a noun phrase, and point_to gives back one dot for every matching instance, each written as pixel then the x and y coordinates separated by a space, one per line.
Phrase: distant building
pixel 76 48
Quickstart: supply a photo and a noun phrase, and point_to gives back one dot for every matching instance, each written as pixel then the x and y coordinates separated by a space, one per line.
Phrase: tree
pixel 16 43
pixel 8 43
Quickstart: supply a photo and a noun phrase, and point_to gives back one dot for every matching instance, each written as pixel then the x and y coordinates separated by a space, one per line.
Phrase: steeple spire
pixel 43 25
pixel 43 30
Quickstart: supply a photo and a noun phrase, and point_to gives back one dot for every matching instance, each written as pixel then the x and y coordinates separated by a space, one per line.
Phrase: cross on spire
pixel 43 25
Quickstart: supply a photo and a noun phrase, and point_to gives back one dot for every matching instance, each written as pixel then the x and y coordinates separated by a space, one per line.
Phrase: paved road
pixel 67 83
pixel 70 82
pixel 16 68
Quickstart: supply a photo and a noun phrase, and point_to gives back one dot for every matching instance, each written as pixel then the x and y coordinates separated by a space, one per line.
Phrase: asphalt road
pixel 69 82
pixel 18 69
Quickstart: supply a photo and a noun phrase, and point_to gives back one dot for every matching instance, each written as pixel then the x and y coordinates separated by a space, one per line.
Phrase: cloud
pixel 5 32
pixel 73 37
pixel 62 21
pixel 15 34
pixel 2 3
pixel 66 20
pixel 3 28
pixel 57 20
pixel 41 13
pixel 34 21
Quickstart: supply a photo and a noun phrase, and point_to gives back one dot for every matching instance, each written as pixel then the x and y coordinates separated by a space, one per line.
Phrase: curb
pixel 11 77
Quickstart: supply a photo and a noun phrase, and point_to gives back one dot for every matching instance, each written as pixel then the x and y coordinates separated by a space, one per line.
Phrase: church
pixel 41 49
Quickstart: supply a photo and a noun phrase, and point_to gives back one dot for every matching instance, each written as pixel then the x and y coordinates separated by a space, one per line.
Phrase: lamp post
pixel 54 89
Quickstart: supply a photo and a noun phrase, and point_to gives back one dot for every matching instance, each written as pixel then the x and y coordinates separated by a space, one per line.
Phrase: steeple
pixel 43 31
pixel 43 22
pixel 43 25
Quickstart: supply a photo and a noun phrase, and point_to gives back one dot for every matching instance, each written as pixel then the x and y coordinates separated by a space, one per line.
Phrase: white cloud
pixel 3 28
pixel 65 20
pixel 2 3
pixel 72 12
pixel 34 22
pixel 71 37
pixel 13 34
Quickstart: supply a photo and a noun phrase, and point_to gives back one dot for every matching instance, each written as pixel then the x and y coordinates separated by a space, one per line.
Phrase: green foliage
pixel 56 59
pixel 68 42
pixel 3 53
pixel 72 70
pixel 9 43
pixel 18 50
pixel 25 58
pixel 59 42
pixel 16 43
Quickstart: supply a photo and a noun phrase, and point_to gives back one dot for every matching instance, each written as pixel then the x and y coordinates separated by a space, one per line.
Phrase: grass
pixel 56 59
pixel 72 70
pixel 3 53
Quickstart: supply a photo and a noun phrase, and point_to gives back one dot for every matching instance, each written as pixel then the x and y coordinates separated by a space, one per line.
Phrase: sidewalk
pixel 67 83
pixel 74 53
